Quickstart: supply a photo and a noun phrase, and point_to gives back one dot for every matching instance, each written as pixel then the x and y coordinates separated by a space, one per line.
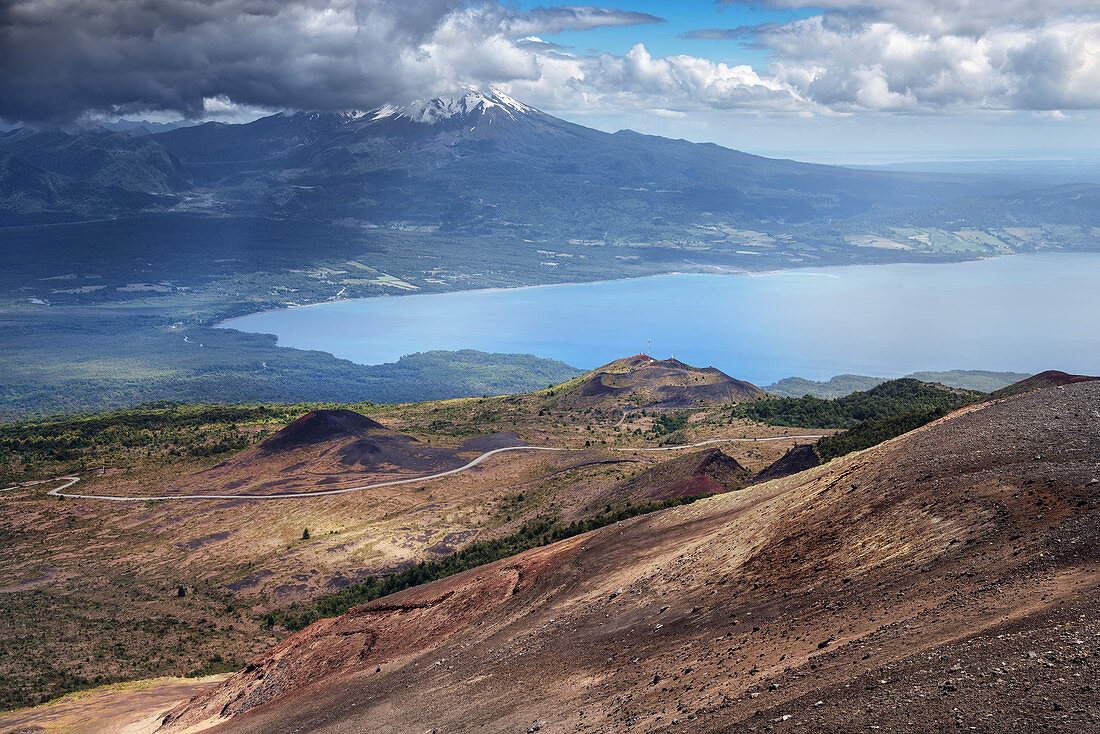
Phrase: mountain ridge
pixel 348 145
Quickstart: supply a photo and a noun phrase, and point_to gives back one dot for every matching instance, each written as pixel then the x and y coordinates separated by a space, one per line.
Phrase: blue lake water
pixel 1024 313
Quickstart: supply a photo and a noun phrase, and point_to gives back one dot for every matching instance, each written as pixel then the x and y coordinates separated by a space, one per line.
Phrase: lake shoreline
pixel 719 270
pixel 879 319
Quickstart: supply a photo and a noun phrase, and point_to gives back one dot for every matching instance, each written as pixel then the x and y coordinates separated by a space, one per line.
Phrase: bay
pixel 1023 313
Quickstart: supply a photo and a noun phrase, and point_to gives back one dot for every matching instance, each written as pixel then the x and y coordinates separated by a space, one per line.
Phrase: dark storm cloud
pixel 62 58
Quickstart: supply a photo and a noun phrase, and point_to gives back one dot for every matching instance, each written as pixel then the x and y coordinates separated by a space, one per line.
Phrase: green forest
pixel 888 400
pixel 865 434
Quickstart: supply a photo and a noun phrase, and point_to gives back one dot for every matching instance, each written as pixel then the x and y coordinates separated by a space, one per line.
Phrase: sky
pixel 859 81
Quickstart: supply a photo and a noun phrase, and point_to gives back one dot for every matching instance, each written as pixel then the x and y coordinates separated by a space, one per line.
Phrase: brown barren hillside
pixel 1050 378
pixel 641 382
pixel 107 573
pixel 947 579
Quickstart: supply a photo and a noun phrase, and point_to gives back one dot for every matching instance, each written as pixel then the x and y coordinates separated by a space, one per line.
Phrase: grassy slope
pixel 163 633
pixel 111 572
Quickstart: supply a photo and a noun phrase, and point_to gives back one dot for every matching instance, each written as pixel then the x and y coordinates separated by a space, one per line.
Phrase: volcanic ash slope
pixel 945 579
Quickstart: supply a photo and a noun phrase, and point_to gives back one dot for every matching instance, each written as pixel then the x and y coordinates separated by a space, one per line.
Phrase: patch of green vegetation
pixel 669 423
pixel 48 683
pixel 866 434
pixel 888 400
pixel 89 643
pixel 214 665
pixel 165 429
pixel 539 532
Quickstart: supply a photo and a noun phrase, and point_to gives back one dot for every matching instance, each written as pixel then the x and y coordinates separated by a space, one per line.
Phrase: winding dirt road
pixel 71 480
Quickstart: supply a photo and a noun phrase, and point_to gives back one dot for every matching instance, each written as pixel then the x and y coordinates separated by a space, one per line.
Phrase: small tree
pixel 180 591
pixel 305 534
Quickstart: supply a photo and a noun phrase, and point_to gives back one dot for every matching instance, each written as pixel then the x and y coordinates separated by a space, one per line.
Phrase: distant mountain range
pixel 487 162
pixel 492 190
pixel 478 161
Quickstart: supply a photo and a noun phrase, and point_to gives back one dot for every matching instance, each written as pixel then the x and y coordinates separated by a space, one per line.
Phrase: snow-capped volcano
pixel 467 109
pixel 472 103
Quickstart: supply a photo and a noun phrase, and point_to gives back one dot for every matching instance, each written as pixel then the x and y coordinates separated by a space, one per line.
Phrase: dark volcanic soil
pixel 407 453
pixel 319 426
pixel 946 580
pixel 399 451
pixel 798 459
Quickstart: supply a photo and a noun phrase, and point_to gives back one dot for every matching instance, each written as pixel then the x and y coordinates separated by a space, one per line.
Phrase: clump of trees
pixel 667 423
pixel 886 401
pixel 187 430
pixel 870 433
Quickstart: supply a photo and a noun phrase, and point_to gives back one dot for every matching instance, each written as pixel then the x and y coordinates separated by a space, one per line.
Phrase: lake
pixel 1023 313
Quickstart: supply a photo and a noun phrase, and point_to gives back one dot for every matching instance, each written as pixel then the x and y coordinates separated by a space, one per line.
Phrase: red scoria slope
pixel 946 579
pixel 708 471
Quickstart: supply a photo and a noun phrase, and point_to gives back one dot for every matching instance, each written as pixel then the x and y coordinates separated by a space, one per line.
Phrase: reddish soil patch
pixel 703 472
